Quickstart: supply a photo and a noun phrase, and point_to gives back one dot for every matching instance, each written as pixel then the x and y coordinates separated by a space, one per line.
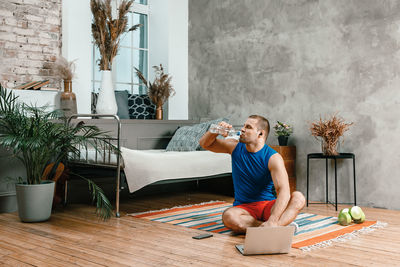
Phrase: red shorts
pixel 260 210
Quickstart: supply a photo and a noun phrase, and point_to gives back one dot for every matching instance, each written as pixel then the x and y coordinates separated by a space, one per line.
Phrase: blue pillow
pixel 186 138
pixel 122 102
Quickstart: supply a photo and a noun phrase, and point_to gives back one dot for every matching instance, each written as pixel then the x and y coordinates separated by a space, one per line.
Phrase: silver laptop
pixel 267 240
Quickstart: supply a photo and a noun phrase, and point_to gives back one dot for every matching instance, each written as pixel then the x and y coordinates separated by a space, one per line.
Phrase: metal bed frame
pixel 104 163
pixel 107 163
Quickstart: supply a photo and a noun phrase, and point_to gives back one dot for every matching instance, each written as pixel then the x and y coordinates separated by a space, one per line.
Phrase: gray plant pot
pixel 35 201
pixel 8 202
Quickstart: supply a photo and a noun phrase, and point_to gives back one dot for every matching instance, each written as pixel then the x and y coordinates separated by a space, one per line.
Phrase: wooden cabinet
pixel 288 154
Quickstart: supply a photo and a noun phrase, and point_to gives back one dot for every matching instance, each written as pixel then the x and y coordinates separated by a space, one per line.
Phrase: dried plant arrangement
pixel 161 88
pixel 64 69
pixel 329 131
pixel 107 31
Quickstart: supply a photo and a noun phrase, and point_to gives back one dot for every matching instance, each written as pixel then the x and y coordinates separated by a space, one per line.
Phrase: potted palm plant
pixel 43 142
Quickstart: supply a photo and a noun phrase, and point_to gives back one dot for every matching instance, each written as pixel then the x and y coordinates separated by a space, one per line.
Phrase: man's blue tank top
pixel 252 179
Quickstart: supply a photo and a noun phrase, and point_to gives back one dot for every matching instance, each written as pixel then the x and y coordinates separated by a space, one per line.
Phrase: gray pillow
pixel 186 138
pixel 122 103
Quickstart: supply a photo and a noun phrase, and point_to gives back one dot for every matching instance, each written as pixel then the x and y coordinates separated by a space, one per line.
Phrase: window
pixel 133 52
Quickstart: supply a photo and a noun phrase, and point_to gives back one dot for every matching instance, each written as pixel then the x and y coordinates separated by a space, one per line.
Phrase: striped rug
pixel 314 230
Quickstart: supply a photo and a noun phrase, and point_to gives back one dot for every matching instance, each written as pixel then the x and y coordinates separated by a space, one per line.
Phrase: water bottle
pixel 218 129
pixel 233 134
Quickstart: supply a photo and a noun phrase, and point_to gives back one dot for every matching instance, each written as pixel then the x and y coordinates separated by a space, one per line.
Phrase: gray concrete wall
pixel 297 60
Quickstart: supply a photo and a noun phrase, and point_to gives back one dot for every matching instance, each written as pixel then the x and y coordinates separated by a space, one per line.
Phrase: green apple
pixel 356 213
pixel 344 210
pixel 362 219
pixel 344 217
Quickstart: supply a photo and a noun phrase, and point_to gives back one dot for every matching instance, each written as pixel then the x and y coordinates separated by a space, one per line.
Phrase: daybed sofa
pixel 154 151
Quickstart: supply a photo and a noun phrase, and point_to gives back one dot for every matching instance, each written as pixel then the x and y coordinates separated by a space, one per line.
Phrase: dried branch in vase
pixel 329 131
pixel 64 69
pixel 107 31
pixel 161 89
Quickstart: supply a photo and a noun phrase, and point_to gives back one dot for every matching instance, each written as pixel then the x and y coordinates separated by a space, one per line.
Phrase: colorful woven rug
pixel 314 230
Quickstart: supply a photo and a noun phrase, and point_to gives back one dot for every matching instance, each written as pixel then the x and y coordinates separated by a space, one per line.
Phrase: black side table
pixel 334 157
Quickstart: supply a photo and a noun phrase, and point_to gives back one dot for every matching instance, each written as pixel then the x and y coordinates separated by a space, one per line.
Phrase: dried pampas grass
pixel 161 89
pixel 329 131
pixel 107 31
pixel 64 69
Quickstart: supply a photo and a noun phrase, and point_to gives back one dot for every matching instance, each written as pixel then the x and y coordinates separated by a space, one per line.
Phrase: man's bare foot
pixel 269 224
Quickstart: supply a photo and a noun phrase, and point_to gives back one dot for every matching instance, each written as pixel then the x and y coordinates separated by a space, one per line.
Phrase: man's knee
pixel 298 200
pixel 227 217
pixel 231 220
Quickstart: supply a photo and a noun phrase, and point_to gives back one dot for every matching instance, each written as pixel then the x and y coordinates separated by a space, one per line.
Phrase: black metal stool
pixel 334 157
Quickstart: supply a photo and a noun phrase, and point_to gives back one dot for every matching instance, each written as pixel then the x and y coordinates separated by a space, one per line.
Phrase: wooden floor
pixel 73 236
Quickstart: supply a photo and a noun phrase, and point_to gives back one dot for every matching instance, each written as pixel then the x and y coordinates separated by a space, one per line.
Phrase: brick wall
pixel 30 40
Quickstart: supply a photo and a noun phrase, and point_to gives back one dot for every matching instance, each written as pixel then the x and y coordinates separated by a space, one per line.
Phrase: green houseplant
pixel 38 138
pixel 283 131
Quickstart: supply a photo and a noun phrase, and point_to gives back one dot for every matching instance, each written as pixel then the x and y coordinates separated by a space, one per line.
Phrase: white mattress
pixel 144 167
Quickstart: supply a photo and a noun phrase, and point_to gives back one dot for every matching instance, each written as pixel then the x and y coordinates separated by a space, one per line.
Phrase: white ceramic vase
pixel 106 103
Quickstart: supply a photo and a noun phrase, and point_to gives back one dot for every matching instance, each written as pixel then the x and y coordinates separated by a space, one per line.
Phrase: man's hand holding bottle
pixel 224 129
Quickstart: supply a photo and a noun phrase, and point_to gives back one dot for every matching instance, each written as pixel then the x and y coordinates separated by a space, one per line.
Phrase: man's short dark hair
pixel 262 124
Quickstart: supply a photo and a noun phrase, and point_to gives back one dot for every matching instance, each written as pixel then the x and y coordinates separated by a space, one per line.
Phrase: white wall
pixel 76 45
pixel 168 45
pixel 178 58
pixel 158 34
pixel 40 98
pixel 158 38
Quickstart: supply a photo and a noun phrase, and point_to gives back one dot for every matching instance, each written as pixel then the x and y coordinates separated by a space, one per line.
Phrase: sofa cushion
pixel 186 138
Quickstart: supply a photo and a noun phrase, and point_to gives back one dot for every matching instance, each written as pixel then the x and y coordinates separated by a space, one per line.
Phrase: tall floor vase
pixel 106 103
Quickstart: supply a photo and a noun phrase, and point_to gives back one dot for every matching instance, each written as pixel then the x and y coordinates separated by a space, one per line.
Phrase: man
pixel 256 170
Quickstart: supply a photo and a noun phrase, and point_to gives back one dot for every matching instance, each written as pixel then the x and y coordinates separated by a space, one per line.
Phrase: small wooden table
pixel 288 154
pixel 334 157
